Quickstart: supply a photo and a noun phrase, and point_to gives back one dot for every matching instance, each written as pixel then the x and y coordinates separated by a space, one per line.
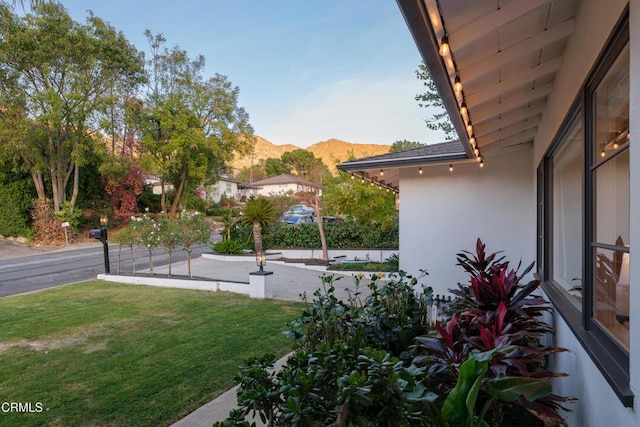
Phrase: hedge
pixel 342 235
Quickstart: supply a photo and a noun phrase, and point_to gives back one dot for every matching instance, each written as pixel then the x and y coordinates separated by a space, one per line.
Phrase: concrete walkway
pixel 289 284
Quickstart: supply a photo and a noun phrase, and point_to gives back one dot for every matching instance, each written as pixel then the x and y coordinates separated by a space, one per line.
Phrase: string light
pixel 381 172
pixel 444 46
pixel 481 162
pixel 472 140
pixel 457 85
pixel 469 128
pixel 420 171
pixel 450 168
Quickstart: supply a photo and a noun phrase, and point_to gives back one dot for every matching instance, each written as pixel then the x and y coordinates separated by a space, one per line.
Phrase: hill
pixel 332 151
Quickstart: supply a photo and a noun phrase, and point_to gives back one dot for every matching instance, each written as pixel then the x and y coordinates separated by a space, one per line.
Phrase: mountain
pixel 332 152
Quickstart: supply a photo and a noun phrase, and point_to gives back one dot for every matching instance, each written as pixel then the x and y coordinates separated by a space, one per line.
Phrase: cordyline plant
pixel 495 314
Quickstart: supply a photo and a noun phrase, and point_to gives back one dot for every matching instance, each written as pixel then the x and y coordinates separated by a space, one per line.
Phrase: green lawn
pixel 104 354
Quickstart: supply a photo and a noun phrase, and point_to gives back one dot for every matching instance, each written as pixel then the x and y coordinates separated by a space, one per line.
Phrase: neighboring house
pixel 229 187
pixel 225 186
pixel 542 93
pixel 283 184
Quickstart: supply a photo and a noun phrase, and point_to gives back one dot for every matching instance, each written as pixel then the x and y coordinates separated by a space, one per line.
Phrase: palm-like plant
pixel 260 213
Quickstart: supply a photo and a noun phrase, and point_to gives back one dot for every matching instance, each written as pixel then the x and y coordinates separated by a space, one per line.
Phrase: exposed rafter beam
pixel 519 50
pixel 480 27
pixel 493 91
pixel 509 130
pixel 519 138
pixel 509 119
pixel 491 111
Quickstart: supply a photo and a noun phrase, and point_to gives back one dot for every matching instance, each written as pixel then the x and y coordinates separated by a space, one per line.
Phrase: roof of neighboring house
pixel 283 179
pixel 443 151
pixel 240 184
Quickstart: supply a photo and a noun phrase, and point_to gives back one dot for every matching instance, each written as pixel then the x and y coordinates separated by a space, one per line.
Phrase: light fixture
pixel 420 171
pixel 457 84
pixel 450 167
pixel 472 140
pixel 261 259
pixel 469 128
pixel 476 151
pixel 481 162
pixel 463 109
pixel 479 158
pixel 602 152
pixel 381 172
pixel 352 176
pixel 615 145
pixel 104 220
pixel 444 46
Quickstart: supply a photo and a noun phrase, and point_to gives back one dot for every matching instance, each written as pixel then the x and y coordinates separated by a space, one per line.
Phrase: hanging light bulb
pixel 450 168
pixel 472 140
pixel 444 46
pixel 476 151
pixel 479 158
pixel 420 171
pixel 457 85
pixel 602 153
pixel 463 109
pixel 615 145
pixel 469 128
pixel 381 172
pixel 353 177
pixel 481 162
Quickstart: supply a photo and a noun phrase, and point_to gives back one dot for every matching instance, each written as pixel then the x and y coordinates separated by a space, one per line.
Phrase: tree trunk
pixel 76 186
pixel 323 239
pixel 39 184
pixel 176 201
pixel 257 236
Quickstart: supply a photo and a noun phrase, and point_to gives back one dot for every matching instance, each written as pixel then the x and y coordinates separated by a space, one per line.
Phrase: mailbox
pixel 97 233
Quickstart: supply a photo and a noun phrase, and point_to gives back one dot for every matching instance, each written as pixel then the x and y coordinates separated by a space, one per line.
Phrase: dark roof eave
pixel 400 163
pixel 416 17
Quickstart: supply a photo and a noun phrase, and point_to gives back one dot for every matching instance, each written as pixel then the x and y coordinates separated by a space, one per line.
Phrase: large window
pixel 584 216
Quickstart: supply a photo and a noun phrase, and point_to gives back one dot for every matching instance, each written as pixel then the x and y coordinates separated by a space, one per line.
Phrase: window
pixel 609 184
pixel 583 216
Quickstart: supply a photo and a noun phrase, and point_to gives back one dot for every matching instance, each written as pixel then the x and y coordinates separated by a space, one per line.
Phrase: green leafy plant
pixel 230 247
pixel 491 313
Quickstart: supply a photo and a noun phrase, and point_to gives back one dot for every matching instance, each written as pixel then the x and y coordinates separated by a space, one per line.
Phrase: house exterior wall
pixel 597 404
pixel 273 189
pixel 442 213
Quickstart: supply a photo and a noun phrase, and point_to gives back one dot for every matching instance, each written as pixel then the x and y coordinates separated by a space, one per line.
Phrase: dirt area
pixel 14 249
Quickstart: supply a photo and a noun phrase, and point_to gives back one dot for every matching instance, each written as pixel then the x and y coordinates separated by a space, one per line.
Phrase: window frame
pixel 610 358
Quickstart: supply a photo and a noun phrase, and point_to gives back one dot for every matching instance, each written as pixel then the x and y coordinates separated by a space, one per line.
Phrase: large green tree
pixel 431 100
pixel 57 79
pixel 191 125
pixel 404 145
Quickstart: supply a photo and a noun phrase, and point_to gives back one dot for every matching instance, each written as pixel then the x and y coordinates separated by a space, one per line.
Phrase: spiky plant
pixel 259 213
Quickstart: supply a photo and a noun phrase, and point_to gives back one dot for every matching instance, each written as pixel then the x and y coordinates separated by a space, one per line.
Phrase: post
pixel 104 220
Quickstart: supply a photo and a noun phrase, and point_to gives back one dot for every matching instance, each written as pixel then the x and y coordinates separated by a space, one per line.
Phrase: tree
pixel 192 126
pixel 56 79
pixel 259 213
pixel 405 145
pixel 300 162
pixel 274 167
pixel 431 100
pixel 358 200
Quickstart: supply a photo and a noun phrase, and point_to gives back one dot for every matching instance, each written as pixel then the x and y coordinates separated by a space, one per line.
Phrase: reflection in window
pixel 567 213
pixel 610 177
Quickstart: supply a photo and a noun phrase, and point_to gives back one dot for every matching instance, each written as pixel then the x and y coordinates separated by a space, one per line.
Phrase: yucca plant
pixel 259 213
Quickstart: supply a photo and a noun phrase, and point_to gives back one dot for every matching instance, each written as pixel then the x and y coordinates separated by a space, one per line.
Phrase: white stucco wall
pixel 442 213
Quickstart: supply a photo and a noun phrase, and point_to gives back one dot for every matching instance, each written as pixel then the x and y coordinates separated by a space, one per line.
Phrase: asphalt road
pixel 26 269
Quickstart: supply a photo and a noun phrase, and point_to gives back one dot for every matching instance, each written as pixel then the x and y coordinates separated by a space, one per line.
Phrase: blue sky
pixel 308 70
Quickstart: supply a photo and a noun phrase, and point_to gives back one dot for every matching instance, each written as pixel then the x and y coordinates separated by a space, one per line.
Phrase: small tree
pixel 171 236
pixel 148 235
pixel 193 229
pixel 259 213
pixel 125 237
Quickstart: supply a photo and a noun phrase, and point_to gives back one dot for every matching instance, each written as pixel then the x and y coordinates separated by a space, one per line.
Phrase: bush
pixel 230 246
pixel 341 235
pixel 147 201
pixel 15 203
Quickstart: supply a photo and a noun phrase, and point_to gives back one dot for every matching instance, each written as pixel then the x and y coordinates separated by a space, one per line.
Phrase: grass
pixel 105 354
pixel 369 266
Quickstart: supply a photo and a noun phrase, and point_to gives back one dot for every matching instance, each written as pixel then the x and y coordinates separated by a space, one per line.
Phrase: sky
pixel 307 70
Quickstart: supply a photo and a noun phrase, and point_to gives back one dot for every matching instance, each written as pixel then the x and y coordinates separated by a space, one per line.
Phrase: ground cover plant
pixel 377 360
pixel 104 354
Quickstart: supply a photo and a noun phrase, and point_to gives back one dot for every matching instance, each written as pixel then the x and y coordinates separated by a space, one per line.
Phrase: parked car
pixel 300 209
pixel 296 219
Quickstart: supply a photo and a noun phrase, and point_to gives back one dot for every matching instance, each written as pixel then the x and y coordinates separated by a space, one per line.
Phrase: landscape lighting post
pixel 260 260
pixel 104 220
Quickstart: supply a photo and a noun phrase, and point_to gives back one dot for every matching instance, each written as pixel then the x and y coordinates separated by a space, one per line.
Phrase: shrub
pixel 15 202
pixel 229 246
pixel 341 235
